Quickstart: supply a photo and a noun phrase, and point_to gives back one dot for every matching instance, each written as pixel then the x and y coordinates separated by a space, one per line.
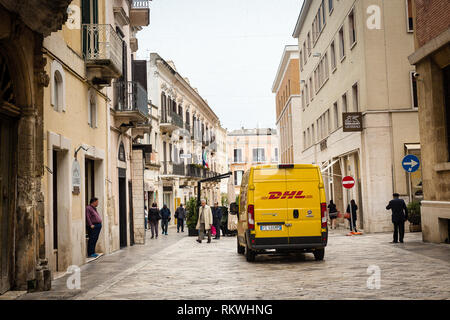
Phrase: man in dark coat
pixel 217 218
pixel 165 218
pixel 180 214
pixel 399 216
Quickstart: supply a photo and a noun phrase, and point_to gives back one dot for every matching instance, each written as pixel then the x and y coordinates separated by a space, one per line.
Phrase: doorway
pixel 7 199
pixel 130 198
pixel 55 206
pixel 123 207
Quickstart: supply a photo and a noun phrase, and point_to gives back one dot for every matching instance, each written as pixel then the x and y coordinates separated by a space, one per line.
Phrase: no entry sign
pixel 348 182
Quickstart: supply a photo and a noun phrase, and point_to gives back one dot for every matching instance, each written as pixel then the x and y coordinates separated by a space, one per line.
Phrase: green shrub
pixel 191 213
pixel 414 212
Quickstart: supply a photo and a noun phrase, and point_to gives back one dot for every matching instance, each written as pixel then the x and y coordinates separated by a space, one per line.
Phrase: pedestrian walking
pixel 205 221
pixel 399 216
pixel 217 218
pixel 333 213
pixel 153 218
pixel 93 225
pixel 165 218
pixel 180 214
pixel 145 217
pixel 352 218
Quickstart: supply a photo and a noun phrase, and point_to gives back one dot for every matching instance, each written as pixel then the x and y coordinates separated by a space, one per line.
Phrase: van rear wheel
pixel 319 254
pixel 249 254
pixel 240 249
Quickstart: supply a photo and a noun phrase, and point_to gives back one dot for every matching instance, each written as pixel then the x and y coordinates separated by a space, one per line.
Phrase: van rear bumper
pixel 285 243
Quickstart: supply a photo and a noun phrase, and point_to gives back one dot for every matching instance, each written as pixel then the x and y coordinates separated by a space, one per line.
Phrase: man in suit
pixel 399 216
pixel 205 221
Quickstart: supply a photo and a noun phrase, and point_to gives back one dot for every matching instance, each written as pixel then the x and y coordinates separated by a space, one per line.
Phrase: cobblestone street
pixel 177 267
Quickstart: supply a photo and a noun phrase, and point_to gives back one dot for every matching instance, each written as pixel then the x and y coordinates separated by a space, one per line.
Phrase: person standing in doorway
pixel 94 226
pixel 153 218
pixel 352 218
pixel 399 216
pixel 145 217
pixel 180 214
pixel 333 213
pixel 217 218
pixel 165 218
pixel 205 221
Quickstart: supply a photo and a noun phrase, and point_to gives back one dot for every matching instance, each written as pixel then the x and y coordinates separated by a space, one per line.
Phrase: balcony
pixel 171 121
pixel 140 13
pixel 102 52
pixel 130 104
pixel 152 161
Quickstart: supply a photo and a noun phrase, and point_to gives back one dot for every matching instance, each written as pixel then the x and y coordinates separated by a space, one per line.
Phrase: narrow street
pixel 177 267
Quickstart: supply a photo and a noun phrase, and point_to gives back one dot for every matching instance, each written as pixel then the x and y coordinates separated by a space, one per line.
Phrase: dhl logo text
pixel 275 195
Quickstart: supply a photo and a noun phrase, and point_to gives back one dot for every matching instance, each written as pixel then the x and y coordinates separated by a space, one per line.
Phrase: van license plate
pixel 271 228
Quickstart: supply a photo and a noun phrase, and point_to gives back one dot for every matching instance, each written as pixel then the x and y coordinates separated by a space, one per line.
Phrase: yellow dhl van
pixel 284 208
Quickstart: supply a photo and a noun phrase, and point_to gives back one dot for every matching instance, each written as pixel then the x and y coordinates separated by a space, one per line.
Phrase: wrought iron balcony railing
pixel 130 96
pixel 172 118
pixel 102 46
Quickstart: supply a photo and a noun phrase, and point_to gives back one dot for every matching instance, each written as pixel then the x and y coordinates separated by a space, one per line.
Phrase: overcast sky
pixel 229 49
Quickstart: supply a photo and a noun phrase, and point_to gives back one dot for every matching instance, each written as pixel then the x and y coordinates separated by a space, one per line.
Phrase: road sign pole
pixel 409 187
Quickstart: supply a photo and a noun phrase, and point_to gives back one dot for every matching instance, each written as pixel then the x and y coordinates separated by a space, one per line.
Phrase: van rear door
pixel 303 205
pixel 270 206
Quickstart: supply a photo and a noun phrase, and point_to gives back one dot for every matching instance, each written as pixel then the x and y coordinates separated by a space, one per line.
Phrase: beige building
pixel 286 87
pixel 185 140
pixel 248 147
pixel 432 60
pixel 353 58
pixel 91 111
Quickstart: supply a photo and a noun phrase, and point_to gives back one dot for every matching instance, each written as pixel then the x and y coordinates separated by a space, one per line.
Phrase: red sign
pixel 348 182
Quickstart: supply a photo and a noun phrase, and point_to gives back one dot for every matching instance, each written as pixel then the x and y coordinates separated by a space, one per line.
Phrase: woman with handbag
pixel 352 218
pixel 333 213
pixel 153 218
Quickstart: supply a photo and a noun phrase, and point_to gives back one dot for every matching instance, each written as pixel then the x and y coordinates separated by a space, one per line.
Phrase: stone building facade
pixel 23 26
pixel 185 140
pixel 286 87
pixel 248 147
pixel 353 59
pixel 432 61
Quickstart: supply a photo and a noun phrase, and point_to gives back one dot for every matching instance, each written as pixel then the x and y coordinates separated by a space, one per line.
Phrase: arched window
pixel 163 107
pixel 121 154
pixel 58 91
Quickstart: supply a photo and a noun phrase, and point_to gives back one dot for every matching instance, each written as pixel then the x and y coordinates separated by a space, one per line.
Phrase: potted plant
pixel 192 216
pixel 414 216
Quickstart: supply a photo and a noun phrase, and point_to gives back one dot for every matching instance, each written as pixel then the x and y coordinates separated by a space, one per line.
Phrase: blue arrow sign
pixel 411 163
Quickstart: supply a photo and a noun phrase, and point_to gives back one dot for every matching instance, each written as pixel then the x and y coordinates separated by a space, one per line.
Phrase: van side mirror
pixel 234 208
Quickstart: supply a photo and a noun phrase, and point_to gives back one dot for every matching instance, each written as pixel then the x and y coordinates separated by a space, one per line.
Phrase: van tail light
pixel 251 217
pixel 323 213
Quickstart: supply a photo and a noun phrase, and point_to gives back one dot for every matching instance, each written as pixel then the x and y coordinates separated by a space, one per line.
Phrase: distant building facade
pixel 286 88
pixel 248 147
pixel 432 61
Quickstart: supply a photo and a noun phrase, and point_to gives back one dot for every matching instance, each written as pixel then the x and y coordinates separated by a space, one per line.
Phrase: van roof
pixel 295 166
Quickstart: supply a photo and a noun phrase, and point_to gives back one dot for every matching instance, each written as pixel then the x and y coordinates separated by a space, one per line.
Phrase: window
pixel 409 15
pixel 301 60
pixel 276 155
pixel 92 109
pixel 303 100
pixel 341 43
pixel 238 177
pixel 305 58
pixel 311 89
pixel 415 99
pixel 170 152
pixel 58 96
pixel 330 6
pixel 344 103
pixel 336 115
pixel 304 140
pixel 309 43
pixel 313 134
pixel 333 56
pixel 355 93
pixel 351 27
pixel 258 155
pixel 307 94
pixel 155 146
pixel 237 155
